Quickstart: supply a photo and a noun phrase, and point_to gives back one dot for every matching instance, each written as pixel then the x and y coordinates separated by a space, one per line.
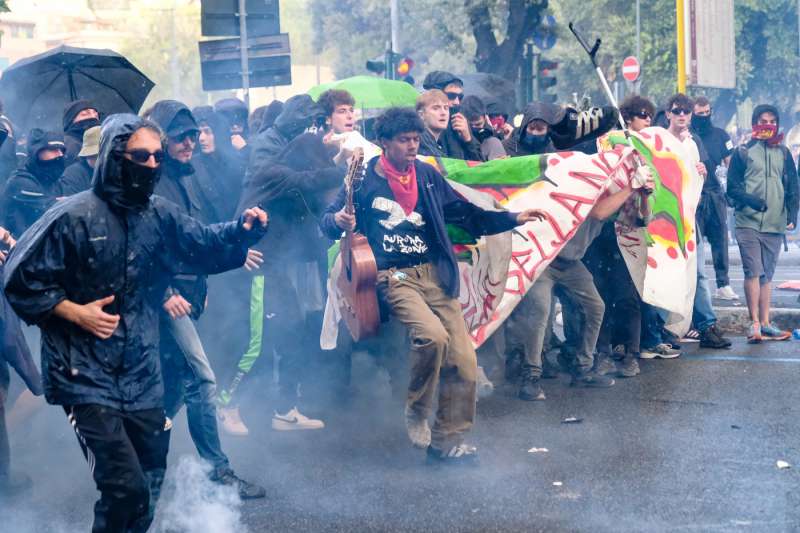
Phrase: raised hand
pixel 253 214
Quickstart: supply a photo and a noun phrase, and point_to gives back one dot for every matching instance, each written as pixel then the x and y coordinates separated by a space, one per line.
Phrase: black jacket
pixel 26 198
pixel 86 248
pixel 450 145
pixel 443 204
pixel 295 188
pixel 76 178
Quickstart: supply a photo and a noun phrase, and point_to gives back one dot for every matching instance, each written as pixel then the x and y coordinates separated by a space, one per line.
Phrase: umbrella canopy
pixel 36 89
pixel 491 89
pixel 371 92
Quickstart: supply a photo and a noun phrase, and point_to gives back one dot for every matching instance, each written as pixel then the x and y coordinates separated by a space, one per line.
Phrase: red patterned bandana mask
pixel 768 133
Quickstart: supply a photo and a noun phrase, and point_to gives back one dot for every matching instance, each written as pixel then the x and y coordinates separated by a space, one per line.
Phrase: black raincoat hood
pixel 298 114
pixel 114 135
pixel 218 125
pixel 173 117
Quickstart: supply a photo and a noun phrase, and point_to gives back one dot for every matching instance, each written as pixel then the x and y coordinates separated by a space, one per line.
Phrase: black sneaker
pixel 247 491
pixel 529 390
pixel 461 455
pixel 604 364
pixel 629 367
pixel 591 380
pixel 712 338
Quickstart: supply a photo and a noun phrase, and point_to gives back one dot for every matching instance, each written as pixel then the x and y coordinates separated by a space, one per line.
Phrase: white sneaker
pixel 419 432
pixel 484 386
pixel 231 421
pixel 726 293
pixel 294 420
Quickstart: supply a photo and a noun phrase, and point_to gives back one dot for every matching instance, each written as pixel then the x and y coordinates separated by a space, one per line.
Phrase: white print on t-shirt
pixel 404 244
pixel 396 214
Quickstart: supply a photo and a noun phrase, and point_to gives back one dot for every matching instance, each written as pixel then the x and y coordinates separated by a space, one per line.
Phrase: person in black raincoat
pixel 296 116
pixel 187 371
pixel 79 116
pixel 78 176
pixel 91 274
pixel 33 188
pixel 220 167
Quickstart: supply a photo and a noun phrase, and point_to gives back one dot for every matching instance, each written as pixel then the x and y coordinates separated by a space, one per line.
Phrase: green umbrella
pixel 371 92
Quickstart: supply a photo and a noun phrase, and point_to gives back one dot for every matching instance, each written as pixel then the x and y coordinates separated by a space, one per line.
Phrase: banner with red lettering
pixel 662 256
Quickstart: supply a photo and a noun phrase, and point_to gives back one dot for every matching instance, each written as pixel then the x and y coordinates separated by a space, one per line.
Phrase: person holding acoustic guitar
pixel 401 207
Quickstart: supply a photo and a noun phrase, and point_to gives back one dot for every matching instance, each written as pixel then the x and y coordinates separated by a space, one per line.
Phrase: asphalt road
pixel 690 445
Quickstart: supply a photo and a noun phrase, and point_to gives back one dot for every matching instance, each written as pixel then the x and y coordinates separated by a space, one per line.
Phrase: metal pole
pixel 639 31
pixel 173 56
pixel 244 52
pixel 679 10
pixel 535 74
pixel 395 20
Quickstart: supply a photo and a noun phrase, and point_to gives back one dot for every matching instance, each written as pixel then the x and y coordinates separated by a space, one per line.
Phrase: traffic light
pixel 546 78
pixel 402 70
pixel 377 65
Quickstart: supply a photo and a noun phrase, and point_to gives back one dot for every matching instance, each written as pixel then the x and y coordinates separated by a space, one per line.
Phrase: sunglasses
pixel 680 111
pixel 643 115
pixel 143 156
pixel 191 134
pixel 453 96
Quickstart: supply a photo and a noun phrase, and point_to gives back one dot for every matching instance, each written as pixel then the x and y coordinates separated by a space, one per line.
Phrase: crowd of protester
pixel 133 328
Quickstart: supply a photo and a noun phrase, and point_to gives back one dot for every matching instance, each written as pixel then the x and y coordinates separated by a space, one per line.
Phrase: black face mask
pixel 701 124
pixel 454 108
pixel 138 182
pixel 80 127
pixel 535 142
pixel 49 171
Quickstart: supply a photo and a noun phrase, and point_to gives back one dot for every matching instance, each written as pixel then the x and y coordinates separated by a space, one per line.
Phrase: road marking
pixel 749 358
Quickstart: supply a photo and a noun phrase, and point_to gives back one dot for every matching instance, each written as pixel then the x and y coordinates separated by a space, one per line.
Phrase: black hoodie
pixel 87 248
pixel 220 173
pixel 30 191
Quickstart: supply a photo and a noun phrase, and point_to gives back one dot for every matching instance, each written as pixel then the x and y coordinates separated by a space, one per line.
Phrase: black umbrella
pixel 491 89
pixel 36 89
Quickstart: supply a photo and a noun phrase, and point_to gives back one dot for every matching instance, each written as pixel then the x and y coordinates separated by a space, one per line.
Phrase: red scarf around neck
pixel 403 184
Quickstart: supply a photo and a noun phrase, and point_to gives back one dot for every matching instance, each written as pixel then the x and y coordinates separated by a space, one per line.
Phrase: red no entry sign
pixel 631 68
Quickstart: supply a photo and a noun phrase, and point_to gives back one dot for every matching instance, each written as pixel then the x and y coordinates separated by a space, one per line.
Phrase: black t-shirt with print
pixel 397 240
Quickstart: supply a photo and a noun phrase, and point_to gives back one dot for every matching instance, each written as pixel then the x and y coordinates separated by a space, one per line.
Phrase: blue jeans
pixel 652 324
pixel 703 316
pixel 190 380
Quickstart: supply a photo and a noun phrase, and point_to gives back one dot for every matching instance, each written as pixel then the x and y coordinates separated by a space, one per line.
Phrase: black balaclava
pixel 77 129
pixel 701 125
pixel 535 142
pixel 117 180
pixel 48 172
pixel 138 182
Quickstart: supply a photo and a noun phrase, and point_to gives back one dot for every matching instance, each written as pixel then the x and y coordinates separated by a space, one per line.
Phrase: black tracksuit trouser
pixel 127 452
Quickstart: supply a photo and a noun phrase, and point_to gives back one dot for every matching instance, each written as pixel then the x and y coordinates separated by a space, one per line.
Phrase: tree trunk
pixel 503 59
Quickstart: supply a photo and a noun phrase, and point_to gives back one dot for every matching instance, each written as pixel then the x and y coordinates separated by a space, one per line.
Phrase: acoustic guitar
pixel 358 278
